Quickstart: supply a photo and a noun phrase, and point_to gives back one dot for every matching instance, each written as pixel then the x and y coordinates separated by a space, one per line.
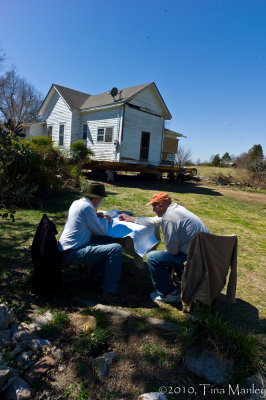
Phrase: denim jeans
pixel 105 257
pixel 159 262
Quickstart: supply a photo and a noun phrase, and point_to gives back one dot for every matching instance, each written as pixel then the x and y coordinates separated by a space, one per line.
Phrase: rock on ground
pixel 6 316
pixel 152 396
pixel 206 365
pixel 17 389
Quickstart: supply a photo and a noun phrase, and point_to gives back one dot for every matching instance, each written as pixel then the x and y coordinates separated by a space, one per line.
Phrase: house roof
pixel 74 98
pixel 105 98
pixel 84 101
pixel 173 133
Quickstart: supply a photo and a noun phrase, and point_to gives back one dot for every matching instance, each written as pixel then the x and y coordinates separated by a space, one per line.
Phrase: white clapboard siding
pixel 148 99
pixel 75 129
pixel 135 122
pixel 37 129
pixel 102 119
pixel 56 114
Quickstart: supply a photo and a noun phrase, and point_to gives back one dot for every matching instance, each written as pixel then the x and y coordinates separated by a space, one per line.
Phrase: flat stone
pixel 38 343
pixel 110 357
pixel 206 365
pixel 152 396
pixel 112 310
pixel 5 374
pixel 108 309
pixel 254 387
pixel 162 324
pixel 6 316
pixel 57 353
pixel 9 383
pixel 18 389
pixel 42 320
pixel 24 357
pixel 34 344
pixel 5 336
pixel 13 328
pixel 24 332
pixel 38 369
pixel 100 367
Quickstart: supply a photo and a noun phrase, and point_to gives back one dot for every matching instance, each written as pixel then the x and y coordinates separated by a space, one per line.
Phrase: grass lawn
pixel 237 176
pixel 223 211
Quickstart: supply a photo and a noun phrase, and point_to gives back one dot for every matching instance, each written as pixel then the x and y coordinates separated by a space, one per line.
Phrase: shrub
pixel 31 166
pixel 209 331
pixel 79 152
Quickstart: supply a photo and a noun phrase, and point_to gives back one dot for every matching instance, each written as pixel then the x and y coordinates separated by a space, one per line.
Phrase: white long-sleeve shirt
pixel 178 225
pixel 81 222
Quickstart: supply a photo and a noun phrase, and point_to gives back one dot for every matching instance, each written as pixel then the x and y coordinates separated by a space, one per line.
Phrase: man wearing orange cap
pixel 179 226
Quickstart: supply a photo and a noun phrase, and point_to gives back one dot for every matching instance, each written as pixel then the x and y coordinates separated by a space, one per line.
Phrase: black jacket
pixel 46 258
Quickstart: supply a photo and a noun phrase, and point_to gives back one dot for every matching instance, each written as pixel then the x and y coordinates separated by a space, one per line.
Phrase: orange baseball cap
pixel 160 197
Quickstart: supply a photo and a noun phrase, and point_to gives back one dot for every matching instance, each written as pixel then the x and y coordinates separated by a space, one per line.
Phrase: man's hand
pixel 127 218
pixel 102 215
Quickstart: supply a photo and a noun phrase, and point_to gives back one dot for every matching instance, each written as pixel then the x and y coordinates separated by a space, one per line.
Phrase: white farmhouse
pixel 125 125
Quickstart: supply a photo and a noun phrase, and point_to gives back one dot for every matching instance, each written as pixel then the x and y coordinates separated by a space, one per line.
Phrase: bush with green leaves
pixel 27 168
pixel 79 154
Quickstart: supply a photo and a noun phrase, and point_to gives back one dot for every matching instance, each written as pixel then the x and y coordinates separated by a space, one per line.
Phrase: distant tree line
pixel 253 160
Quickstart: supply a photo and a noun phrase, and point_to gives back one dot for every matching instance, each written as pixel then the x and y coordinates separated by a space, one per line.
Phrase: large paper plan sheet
pixel 143 236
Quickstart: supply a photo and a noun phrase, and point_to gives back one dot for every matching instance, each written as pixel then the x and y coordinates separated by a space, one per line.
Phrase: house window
pixel 50 131
pixel 61 134
pixel 85 132
pixel 105 135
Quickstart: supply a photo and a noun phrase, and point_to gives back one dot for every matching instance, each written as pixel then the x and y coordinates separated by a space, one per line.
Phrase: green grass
pixel 221 212
pixel 209 331
pixel 154 353
pixel 89 342
pixel 56 326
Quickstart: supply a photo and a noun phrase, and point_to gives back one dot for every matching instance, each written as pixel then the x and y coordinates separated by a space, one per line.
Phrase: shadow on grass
pixel 164 186
pixel 241 315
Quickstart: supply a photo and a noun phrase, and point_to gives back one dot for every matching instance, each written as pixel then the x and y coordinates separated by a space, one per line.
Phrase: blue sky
pixel 207 58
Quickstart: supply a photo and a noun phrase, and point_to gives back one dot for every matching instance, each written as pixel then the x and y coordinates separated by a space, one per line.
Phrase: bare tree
pixel 182 157
pixel 19 101
pixel 2 59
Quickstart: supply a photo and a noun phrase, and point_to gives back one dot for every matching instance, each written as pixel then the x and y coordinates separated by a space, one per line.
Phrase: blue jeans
pixel 159 262
pixel 105 257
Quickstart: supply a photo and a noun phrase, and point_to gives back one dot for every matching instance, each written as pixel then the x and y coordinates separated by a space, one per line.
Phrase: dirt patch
pixel 249 197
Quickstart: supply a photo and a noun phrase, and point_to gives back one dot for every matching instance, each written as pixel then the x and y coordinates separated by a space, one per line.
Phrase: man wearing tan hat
pixel 179 226
pixel 83 242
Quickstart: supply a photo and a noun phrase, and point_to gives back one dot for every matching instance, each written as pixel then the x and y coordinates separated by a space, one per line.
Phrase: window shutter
pixel 61 135
pixel 85 131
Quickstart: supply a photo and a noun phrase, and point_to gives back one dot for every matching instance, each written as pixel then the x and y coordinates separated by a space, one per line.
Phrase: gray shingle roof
pixel 85 101
pixel 73 98
pixel 105 98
